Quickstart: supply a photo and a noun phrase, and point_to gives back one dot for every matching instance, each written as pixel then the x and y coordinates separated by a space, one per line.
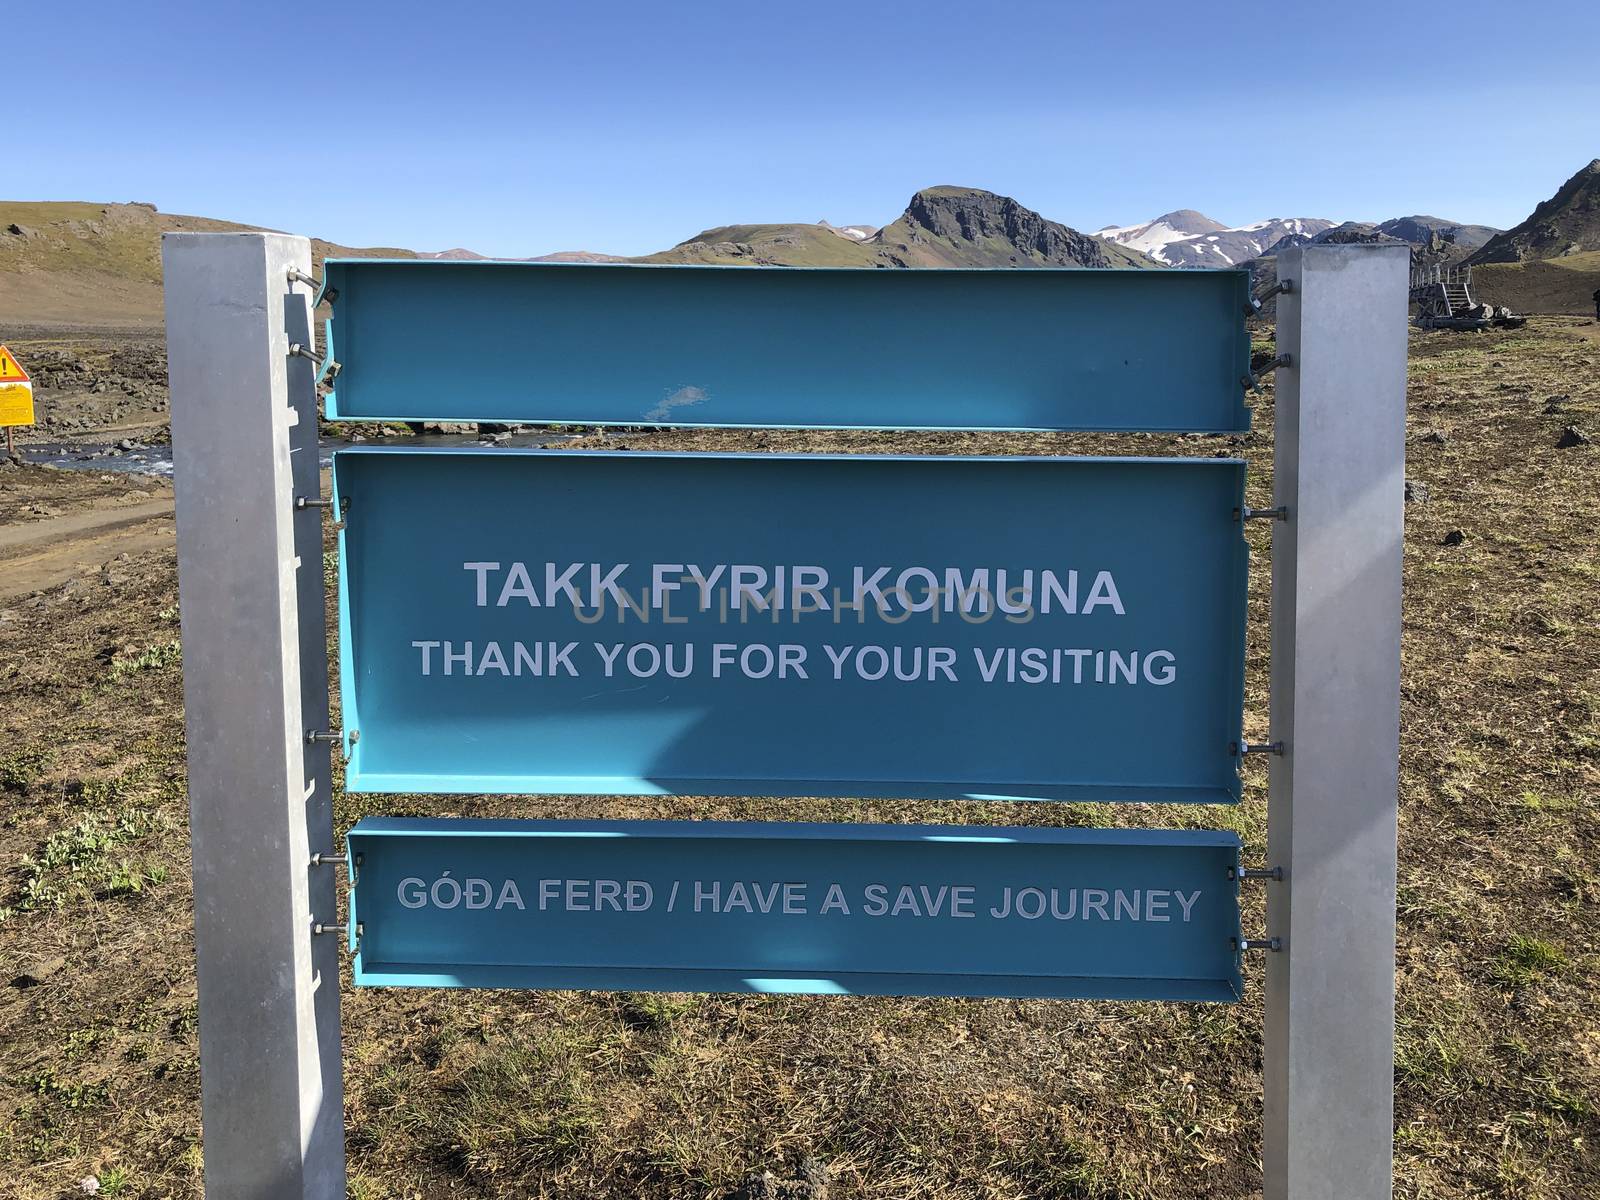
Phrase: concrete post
pixel 1336 563
pixel 244 439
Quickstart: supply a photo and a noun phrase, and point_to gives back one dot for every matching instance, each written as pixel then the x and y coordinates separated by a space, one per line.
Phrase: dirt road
pixel 74 525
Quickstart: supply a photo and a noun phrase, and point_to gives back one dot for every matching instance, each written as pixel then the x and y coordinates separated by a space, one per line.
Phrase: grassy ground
pixel 1556 285
pixel 596 1095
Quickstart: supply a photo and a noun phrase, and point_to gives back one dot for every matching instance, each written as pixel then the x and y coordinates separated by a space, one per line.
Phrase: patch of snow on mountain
pixel 854 233
pixel 1208 243
pixel 1148 239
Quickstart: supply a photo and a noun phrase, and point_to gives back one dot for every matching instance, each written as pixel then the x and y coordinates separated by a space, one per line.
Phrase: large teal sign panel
pixel 773 907
pixel 779 346
pixel 851 625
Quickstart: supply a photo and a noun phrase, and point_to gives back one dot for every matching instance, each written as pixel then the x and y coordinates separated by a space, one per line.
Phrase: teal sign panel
pixel 626 344
pixel 1123 914
pixel 748 624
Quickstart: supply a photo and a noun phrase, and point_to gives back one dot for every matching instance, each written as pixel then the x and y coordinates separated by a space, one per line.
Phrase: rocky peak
pixel 1186 220
pixel 1437 234
pixel 1362 233
pixel 979 228
pixel 1566 223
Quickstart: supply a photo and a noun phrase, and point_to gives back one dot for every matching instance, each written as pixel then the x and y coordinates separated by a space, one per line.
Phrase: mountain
pixel 714 245
pixel 65 263
pixel 1153 237
pixel 1433 240
pixel 969 227
pixel 1189 239
pixel 1186 238
pixel 1437 234
pixel 1567 223
pixel 578 256
pixel 1550 262
pixel 856 233
pixel 84 265
pixel 461 255
pixel 941 227
pixel 1345 233
pixel 794 245
pixel 69 264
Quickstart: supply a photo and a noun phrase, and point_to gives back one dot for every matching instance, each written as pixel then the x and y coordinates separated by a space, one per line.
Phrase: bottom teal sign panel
pixel 898 910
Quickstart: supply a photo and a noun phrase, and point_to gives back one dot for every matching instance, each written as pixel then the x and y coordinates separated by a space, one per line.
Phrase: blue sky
pixel 521 128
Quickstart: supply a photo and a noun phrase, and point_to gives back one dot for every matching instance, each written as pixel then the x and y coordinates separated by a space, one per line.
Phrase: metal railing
pixel 1439 275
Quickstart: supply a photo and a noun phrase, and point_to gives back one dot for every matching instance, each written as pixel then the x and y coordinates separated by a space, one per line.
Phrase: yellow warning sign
pixel 10 369
pixel 16 404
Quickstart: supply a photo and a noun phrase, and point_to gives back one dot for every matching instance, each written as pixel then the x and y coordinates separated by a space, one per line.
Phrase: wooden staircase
pixel 1443 298
pixel 1459 298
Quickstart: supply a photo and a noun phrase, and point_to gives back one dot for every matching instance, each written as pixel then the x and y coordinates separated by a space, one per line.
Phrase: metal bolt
pixel 1282 287
pixel 327 294
pixel 1256 873
pixel 1269 944
pixel 1252 380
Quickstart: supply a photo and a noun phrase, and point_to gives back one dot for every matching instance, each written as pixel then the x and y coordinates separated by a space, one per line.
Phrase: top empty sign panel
pixel 549 343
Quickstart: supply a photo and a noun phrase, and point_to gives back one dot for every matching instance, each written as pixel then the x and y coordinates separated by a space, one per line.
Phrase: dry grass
pixel 1551 285
pixel 87 265
pixel 595 1095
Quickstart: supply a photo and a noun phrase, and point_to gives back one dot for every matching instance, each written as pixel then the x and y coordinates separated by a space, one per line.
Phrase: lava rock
pixel 1572 436
pixel 115 573
pixel 1416 493
pixel 810 1183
